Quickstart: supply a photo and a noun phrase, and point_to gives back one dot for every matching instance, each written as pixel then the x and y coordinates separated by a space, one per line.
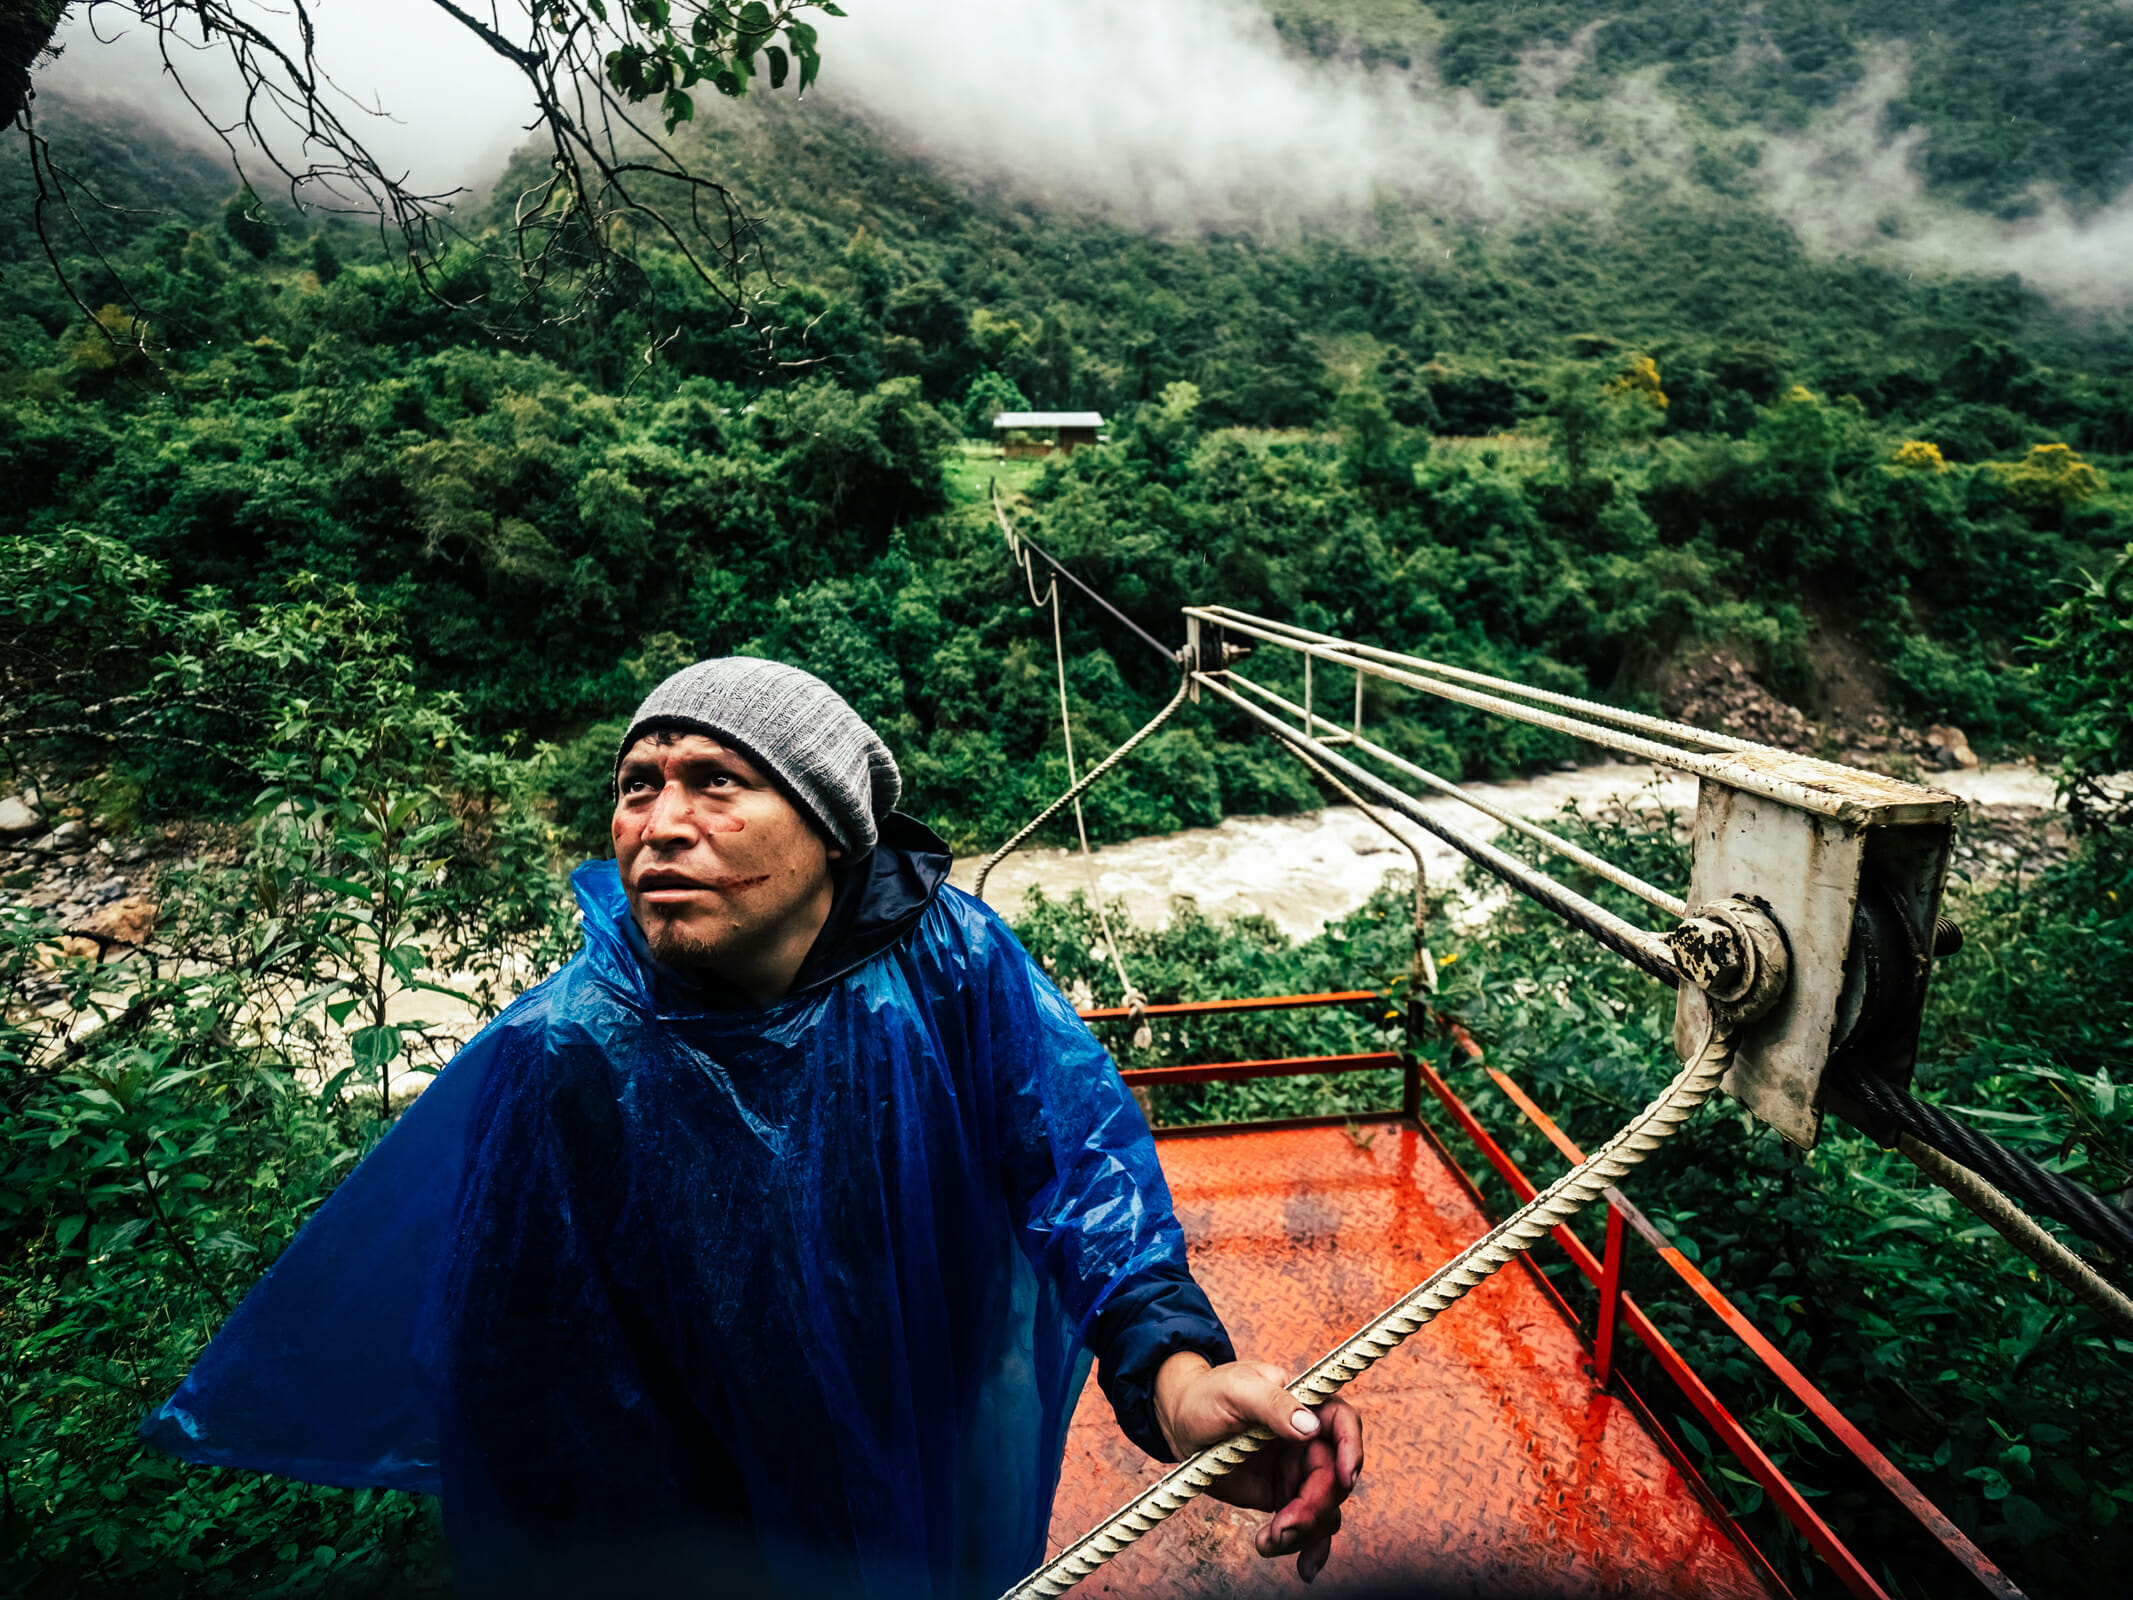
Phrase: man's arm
pixel 1096 1211
pixel 1157 1314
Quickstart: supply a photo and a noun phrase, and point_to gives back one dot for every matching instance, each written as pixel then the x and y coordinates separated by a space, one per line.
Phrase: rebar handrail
pixel 1651 894
pixel 1802 782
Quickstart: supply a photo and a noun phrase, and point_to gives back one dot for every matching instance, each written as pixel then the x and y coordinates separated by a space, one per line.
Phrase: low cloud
pixel 410 81
pixel 1196 113
pixel 1852 184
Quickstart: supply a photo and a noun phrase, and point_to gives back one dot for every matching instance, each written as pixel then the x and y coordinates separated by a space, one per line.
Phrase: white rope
pixel 1517 1233
pixel 2019 1229
pixel 1081 788
pixel 1133 1000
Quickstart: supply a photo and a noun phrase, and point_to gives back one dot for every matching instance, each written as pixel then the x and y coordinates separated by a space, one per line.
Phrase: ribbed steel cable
pixel 1516 1234
pixel 1651 894
pixel 1081 788
pixel 2019 1229
pixel 2039 1188
pixel 1648 952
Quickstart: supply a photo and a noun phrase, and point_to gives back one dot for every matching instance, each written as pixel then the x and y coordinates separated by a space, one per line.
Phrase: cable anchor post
pixel 1734 952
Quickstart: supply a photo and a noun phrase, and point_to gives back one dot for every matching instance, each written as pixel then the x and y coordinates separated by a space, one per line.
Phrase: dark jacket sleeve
pixel 1148 1319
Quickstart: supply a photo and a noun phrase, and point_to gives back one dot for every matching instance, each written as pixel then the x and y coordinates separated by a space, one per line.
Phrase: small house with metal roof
pixel 1067 430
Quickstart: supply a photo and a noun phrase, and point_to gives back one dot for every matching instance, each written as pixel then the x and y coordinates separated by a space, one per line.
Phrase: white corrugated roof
pixel 1049 419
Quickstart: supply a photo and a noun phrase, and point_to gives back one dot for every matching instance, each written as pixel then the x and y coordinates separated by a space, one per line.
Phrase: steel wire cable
pixel 1645 951
pixel 1672 904
pixel 1017 540
pixel 2019 1229
pixel 2037 1187
pixel 1502 1244
pixel 1759 772
pixel 1596 710
pixel 1081 788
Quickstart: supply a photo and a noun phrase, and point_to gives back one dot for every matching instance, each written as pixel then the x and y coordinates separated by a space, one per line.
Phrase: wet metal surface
pixel 1494 1466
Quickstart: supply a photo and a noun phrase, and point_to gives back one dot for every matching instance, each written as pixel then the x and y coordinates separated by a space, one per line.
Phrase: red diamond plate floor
pixel 1494 1467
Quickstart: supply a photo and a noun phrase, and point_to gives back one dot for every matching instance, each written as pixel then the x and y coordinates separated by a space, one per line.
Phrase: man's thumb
pixel 1279 1410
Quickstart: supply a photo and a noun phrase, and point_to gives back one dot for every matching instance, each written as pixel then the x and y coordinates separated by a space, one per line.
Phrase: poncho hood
pixel 814 1278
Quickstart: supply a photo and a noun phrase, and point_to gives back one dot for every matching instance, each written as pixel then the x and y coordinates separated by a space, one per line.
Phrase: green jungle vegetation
pixel 338 594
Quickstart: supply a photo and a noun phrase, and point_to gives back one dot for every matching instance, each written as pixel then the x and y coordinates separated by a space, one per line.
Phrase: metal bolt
pixel 1947 938
pixel 1709 953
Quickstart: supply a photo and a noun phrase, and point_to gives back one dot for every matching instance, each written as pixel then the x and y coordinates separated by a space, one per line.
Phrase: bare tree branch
pixel 589 66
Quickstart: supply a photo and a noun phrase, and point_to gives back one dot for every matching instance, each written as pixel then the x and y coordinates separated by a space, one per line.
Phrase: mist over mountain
pixel 1993 141
pixel 1210 114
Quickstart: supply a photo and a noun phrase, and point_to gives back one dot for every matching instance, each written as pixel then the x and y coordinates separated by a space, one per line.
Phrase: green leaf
pixel 68 1229
pixel 1992 1482
pixel 778 66
pixel 375 1047
pixel 679 108
pixel 341 1010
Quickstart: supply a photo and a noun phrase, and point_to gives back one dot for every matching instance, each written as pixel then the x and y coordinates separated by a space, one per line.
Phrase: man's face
pixel 721 870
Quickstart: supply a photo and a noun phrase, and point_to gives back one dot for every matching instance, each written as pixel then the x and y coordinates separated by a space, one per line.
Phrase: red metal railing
pixel 1617 1309
pixel 1615 1305
pixel 1202 1008
pixel 1240 1071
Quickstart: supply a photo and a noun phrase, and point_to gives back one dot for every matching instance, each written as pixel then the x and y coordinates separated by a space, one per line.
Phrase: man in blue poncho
pixel 768 1241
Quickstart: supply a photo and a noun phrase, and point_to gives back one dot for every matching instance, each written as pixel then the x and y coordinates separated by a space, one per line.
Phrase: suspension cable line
pixel 1016 541
pixel 1660 727
pixel 2016 1226
pixel 1801 782
pixel 1422 969
pixel 1643 950
pixel 1673 905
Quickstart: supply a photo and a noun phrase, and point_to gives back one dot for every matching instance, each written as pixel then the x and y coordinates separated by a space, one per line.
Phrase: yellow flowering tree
pixel 2052 477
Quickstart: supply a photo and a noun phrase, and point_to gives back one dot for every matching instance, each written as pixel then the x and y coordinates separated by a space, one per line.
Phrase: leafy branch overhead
pixel 591 67
pixel 717 45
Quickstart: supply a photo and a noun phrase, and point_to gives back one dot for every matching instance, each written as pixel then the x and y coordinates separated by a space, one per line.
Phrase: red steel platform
pixel 1493 1464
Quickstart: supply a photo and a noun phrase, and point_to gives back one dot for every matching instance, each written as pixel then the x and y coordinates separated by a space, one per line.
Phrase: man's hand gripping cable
pixel 1516 1234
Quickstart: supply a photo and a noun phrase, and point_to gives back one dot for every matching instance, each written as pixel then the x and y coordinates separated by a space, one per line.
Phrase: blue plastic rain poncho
pixel 815 1281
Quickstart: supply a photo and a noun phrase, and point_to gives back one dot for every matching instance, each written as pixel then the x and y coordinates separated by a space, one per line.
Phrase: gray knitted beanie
pixel 792 725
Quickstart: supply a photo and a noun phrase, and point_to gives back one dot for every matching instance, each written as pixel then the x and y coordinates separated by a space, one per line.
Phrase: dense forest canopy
pixel 322 591
pixel 556 512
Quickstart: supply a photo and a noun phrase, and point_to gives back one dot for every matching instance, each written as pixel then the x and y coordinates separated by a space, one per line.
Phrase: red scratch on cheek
pixel 726 825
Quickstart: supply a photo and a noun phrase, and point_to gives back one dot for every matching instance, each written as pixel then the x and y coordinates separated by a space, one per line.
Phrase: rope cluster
pixel 2037 1187
pixel 1516 1234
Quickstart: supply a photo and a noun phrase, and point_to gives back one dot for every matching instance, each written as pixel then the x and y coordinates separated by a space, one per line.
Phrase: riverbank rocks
pixel 1716 691
pixel 1947 748
pixel 126 920
pixel 18 817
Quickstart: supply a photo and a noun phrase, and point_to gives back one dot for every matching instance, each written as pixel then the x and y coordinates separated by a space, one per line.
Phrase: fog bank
pixel 1195 114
